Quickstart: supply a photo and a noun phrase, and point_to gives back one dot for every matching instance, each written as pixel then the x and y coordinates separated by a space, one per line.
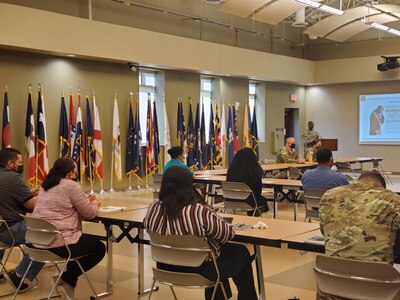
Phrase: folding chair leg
pixel 53 288
pixel 87 279
pixel 173 292
pixel 151 289
pixel 215 290
pixel 223 290
pixel 22 279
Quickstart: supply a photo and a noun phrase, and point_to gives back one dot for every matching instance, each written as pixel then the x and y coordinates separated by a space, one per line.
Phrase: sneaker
pixel 66 291
pixel 15 280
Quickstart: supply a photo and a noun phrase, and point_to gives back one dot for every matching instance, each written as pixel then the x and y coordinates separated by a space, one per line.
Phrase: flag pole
pixel 111 169
pixel 61 141
pixel 138 183
pixel 130 181
pixel 90 169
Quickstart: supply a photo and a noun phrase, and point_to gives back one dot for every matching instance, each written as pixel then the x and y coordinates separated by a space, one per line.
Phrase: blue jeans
pixel 18 230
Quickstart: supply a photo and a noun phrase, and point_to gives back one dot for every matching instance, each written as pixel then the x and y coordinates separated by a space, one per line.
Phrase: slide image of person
pixel 376 119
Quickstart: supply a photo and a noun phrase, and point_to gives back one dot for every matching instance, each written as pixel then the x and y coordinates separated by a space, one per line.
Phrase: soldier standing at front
pixel 309 135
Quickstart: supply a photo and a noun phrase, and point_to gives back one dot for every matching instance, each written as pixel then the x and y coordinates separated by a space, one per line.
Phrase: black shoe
pixel 2 277
pixel 15 280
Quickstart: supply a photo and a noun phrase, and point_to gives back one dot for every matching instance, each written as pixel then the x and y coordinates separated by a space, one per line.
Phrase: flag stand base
pixel 111 190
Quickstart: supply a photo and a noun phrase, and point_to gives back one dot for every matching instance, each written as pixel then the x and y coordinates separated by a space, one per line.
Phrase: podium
pixel 331 144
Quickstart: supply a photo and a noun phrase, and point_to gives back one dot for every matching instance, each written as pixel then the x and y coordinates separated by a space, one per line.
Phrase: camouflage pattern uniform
pixel 309 136
pixel 311 152
pixel 286 155
pixel 360 221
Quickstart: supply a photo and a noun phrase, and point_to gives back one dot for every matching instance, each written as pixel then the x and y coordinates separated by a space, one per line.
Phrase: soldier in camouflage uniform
pixel 288 154
pixel 309 135
pixel 360 221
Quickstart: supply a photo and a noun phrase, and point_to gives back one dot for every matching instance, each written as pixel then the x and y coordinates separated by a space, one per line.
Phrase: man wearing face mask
pixel 15 198
pixel 288 154
pixel 309 135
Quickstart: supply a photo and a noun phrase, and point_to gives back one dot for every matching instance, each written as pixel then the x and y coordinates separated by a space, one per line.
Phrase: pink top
pixel 64 206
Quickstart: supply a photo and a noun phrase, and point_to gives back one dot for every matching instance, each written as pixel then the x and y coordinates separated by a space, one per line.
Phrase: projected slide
pixel 379 119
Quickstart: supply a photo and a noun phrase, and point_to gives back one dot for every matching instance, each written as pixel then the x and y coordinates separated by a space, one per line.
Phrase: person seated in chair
pixel 360 220
pixel 322 177
pixel 16 199
pixel 245 168
pixel 178 213
pixel 61 201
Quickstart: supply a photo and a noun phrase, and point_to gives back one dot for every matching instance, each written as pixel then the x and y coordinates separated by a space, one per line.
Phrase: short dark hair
pixel 175 151
pixel 373 176
pixel 7 154
pixel 324 155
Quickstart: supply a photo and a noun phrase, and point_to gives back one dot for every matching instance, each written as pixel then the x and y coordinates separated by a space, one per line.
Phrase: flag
pixel 97 142
pixel 149 140
pixel 90 154
pixel 181 136
pixel 6 139
pixel 218 141
pixel 229 134
pixel 63 133
pixel 77 150
pixel 116 143
pixel 191 140
pixel 130 147
pixel 254 134
pixel 246 126
pixel 203 144
pixel 71 123
pixel 197 143
pixel 30 142
pixel 156 138
pixel 211 136
pixel 167 138
pixel 223 135
pixel 137 143
pixel 42 149
pixel 235 130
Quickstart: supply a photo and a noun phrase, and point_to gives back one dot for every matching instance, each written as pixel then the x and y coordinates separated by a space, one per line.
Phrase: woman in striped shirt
pixel 178 213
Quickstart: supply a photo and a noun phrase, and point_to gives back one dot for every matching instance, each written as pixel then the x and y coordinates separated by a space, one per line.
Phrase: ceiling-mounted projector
pixel 390 63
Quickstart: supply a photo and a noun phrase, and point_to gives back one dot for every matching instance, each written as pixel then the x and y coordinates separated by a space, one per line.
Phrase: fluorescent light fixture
pixel 382 27
pixel 310 3
pixel 379 26
pixel 394 31
pixel 71 55
pixel 323 7
pixel 331 10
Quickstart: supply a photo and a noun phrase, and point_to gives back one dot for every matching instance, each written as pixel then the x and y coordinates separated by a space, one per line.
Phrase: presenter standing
pixel 309 135
pixel 376 119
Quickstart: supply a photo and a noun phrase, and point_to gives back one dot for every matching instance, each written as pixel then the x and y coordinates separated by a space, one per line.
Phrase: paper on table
pixel 318 240
pixel 111 208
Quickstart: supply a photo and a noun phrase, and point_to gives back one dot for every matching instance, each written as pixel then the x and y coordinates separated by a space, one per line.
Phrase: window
pixel 205 99
pixel 252 97
pixel 147 85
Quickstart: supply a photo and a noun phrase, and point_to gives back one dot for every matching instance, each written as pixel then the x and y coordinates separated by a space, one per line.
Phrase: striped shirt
pixel 194 219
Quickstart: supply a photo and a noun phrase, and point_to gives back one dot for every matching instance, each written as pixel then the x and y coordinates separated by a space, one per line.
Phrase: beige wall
pixel 18 70
pixel 335 111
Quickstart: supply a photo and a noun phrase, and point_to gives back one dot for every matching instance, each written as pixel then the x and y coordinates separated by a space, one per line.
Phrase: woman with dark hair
pixel 177 159
pixel 245 168
pixel 178 213
pixel 311 155
pixel 61 201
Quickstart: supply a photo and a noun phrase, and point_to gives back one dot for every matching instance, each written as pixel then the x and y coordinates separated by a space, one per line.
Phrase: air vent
pixel 300 20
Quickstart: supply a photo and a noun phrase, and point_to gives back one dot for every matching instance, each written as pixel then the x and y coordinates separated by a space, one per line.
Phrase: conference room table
pixel 266 168
pixel 357 159
pixel 272 236
pixel 278 186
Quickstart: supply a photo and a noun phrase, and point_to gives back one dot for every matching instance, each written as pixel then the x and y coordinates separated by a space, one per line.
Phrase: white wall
pixel 335 112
